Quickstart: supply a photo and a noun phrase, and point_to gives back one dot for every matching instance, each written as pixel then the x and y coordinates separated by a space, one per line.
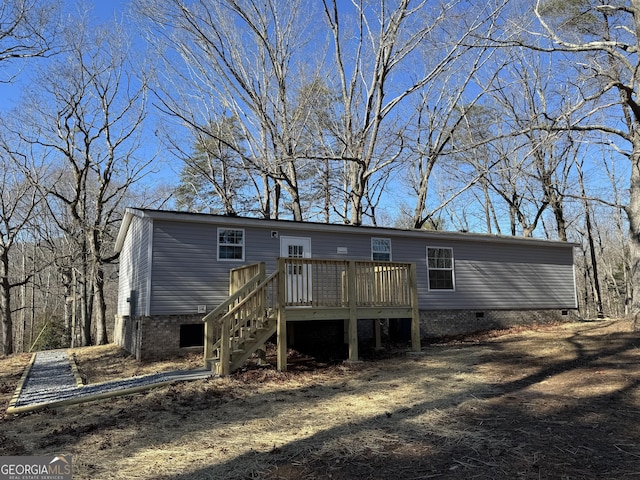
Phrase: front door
pixel 298 277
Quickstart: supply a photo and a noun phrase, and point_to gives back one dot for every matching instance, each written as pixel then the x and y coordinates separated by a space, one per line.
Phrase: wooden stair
pixel 242 323
pixel 247 341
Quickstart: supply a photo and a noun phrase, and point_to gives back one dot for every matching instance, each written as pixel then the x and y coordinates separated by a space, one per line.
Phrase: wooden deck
pixel 303 289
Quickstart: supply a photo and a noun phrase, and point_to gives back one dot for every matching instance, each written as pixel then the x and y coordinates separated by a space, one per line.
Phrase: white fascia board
pixel 129 213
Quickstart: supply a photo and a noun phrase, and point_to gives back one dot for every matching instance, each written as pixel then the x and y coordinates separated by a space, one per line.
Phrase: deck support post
pixel 262 271
pixel 415 310
pixel 282 340
pixel 224 362
pixel 353 312
pixel 282 319
pixel 209 340
pixel 377 333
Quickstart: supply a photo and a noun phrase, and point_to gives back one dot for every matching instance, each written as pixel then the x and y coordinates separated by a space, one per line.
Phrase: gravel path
pixel 51 381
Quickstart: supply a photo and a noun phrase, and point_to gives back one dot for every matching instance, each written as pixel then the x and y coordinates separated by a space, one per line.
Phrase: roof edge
pixel 129 213
pixel 324 227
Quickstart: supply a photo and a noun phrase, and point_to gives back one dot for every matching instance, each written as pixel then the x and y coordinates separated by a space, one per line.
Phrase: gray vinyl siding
pixel 133 280
pixel 489 274
pixel 185 270
pixel 503 276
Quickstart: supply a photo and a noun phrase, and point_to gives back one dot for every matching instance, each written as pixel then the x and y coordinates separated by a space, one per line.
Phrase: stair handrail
pixel 249 297
pixel 227 328
pixel 223 308
pixel 218 312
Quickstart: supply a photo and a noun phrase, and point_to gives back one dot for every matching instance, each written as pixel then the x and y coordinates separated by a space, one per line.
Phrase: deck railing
pixel 385 285
pixel 345 289
pixel 241 276
pixel 241 282
pixel 325 283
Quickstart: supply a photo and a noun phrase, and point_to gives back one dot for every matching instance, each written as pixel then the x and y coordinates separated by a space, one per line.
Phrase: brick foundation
pixel 445 323
pixel 159 337
pixel 152 338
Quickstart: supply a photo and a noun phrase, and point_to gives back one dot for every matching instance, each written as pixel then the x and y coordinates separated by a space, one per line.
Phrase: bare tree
pixel 376 49
pixel 317 109
pixel 240 58
pixel 28 29
pixel 603 234
pixel 617 260
pixel 88 116
pixel 444 109
pixel 477 147
pixel 18 201
pixel 589 234
pixel 538 167
pixel 603 39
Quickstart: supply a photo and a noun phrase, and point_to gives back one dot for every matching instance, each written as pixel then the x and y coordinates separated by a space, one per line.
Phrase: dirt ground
pixel 558 402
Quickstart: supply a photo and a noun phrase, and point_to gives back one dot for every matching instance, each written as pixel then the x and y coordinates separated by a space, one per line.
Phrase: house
pixel 177 268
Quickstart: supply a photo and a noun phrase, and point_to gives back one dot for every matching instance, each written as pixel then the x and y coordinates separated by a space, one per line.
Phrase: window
pixel 440 268
pixel 381 249
pixel 295 251
pixel 230 244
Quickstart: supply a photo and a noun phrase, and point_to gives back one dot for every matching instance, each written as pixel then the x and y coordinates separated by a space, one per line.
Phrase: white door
pixel 298 277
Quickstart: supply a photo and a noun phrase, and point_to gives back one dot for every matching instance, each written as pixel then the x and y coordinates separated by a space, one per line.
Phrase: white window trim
pixel 218 244
pixel 453 270
pixel 390 247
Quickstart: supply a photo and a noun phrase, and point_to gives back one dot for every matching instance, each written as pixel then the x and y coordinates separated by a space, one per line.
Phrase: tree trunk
pixel 357 192
pixel 420 216
pixel 290 185
pixel 85 325
pixel 101 311
pixel 67 278
pixel 265 202
pixel 276 200
pixel 5 305
pixel 512 218
pixel 326 192
pixel 597 295
pixel 633 213
pixel 488 206
pixel 588 287
pixel 23 307
pixel 558 212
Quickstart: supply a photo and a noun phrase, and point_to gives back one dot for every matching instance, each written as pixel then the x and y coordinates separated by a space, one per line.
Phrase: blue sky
pixel 10 93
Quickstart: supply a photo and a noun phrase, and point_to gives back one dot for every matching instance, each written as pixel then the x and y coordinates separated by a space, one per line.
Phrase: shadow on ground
pixel 559 403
